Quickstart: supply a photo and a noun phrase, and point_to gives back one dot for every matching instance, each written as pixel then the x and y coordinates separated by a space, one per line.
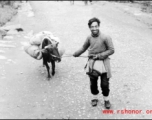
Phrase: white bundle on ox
pixel 47 46
pixel 33 50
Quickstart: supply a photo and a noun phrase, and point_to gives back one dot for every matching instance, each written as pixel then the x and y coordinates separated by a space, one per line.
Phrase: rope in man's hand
pixel 66 55
pixel 70 55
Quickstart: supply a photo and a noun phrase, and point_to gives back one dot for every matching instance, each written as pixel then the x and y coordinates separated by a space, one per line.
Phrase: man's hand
pixel 94 57
pixel 102 56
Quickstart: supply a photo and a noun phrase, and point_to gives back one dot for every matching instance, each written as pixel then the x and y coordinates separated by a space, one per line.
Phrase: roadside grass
pixel 8 9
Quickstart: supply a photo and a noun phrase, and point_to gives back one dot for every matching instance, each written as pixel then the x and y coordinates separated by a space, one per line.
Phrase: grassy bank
pixel 8 9
pixel 146 6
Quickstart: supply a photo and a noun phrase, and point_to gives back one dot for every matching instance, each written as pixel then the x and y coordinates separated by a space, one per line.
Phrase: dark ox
pixel 51 54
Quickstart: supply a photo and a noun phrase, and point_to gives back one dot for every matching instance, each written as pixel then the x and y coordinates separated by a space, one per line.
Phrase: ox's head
pixel 51 47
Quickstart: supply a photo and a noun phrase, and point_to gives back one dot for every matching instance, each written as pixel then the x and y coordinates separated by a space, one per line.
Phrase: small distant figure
pixel 131 1
pixel 86 2
pixel 72 2
pixel 90 1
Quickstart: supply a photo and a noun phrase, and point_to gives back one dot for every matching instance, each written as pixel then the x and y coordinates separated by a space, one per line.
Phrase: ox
pixel 51 54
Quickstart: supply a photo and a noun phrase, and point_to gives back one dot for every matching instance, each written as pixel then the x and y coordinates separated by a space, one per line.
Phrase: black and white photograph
pixel 84 59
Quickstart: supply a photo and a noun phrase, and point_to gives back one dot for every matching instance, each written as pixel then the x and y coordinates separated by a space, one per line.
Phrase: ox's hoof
pixel 53 73
pixel 49 76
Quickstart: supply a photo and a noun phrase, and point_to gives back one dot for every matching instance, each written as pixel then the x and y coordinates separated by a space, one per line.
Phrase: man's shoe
pixel 94 102
pixel 107 104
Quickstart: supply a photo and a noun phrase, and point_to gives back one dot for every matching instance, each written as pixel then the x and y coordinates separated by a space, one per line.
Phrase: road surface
pixel 25 91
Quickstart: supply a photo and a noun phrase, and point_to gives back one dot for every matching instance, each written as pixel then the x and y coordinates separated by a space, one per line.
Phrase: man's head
pixel 94 24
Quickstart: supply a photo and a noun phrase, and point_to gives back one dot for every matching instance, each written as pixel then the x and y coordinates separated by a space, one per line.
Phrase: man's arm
pixel 83 48
pixel 110 49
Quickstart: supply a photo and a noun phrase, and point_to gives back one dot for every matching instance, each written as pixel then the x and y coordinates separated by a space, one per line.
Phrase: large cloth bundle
pixel 33 48
pixel 33 51
pixel 38 38
pixel 61 50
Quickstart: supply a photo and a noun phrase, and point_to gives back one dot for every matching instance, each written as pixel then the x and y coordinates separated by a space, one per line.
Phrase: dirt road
pixel 25 92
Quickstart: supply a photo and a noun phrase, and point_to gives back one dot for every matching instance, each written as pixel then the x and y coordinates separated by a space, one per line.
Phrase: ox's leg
pixel 53 67
pixel 48 69
pixel 43 64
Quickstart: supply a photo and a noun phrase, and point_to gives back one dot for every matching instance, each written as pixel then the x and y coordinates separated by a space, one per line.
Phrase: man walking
pixel 100 47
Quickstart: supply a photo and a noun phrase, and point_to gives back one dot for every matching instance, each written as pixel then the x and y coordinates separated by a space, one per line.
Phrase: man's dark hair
pixel 93 20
